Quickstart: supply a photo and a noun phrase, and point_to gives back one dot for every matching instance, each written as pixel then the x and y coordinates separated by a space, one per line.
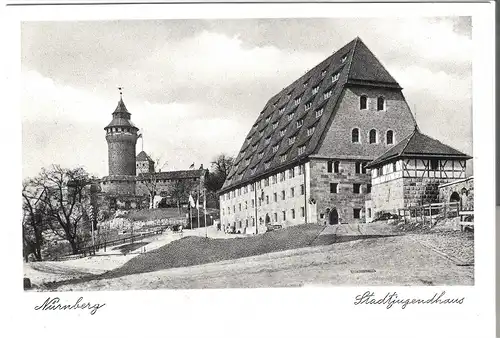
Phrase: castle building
pixel 121 136
pixel 304 159
pixel 412 172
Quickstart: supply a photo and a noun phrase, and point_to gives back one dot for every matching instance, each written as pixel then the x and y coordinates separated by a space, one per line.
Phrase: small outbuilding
pixel 410 173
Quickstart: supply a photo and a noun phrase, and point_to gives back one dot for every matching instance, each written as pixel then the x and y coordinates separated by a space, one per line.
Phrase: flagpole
pixel 205 211
pixel 198 207
pixel 190 218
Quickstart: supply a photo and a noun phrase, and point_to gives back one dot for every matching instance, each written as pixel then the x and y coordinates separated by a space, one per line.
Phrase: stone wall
pixel 119 185
pixel 388 196
pixel 345 200
pixel 464 189
pixel 422 190
pixel 121 153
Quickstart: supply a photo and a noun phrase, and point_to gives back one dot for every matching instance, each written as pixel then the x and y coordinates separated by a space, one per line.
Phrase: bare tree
pixel 179 191
pixel 66 200
pixel 149 181
pixel 33 220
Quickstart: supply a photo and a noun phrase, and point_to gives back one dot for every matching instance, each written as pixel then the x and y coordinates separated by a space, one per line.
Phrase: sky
pixel 195 87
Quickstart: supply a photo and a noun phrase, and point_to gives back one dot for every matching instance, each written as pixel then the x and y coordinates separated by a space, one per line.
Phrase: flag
pixel 197 203
pixel 191 166
pixel 204 202
pixel 191 201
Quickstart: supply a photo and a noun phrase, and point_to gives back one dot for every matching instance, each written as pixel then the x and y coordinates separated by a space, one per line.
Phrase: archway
pixel 455 197
pixel 333 217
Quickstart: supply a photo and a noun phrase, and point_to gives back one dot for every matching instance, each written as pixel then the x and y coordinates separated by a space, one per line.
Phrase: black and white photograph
pixel 215 152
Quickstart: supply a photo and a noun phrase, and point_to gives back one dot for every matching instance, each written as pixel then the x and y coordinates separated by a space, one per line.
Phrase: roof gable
pixel 142 156
pixel 308 101
pixel 418 145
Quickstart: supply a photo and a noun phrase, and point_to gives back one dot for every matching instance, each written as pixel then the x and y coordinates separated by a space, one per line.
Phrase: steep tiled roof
pixel 121 117
pixel 308 102
pixel 142 156
pixel 175 175
pixel 418 145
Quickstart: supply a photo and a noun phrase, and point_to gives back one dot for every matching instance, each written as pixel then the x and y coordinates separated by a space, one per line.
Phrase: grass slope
pixel 190 251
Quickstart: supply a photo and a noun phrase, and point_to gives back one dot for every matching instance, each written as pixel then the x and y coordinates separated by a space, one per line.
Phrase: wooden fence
pixel 425 213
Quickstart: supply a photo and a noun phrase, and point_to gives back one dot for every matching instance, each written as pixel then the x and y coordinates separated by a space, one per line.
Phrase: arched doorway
pixel 333 217
pixel 455 197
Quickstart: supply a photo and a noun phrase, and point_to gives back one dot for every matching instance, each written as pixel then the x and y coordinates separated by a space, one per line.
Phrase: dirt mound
pixel 190 251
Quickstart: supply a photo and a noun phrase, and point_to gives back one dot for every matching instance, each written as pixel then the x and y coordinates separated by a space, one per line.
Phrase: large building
pixel 303 161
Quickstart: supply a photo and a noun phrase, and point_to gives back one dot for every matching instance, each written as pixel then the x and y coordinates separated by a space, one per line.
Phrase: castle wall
pixel 121 153
pixel 463 188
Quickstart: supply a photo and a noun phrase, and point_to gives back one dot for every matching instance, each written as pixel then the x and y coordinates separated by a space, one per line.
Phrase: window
pixel 308 106
pixel 310 130
pixel 358 167
pixel 302 211
pixel 327 95
pixel 394 168
pixel 434 164
pixel 355 135
pixel 275 179
pixel 282 110
pixel 368 188
pixel 275 148
pixel 282 132
pixel 234 208
pixel 373 136
pixel 275 195
pixel 356 188
pixel 267 165
pixel 288 96
pixel 283 158
pixel 253 203
pixel 334 188
pixel 246 205
pixel 252 187
pixel 228 210
pixel 369 212
pixel 275 217
pixel 293 213
pixel 259 155
pixel 284 215
pixel 297 100
pixel 380 103
pixel 267 199
pixel 329 166
pixel 302 189
pixel 306 83
pixel 266 182
pixel 319 112
pixel 323 72
pixel 267 139
pixel 356 213
pixel 292 192
pixel 301 169
pixel 390 137
pixel 344 58
pixel 283 195
pixel 315 90
pixel 291 173
pixel 268 119
pixel 239 206
pixel 291 140
pixel 300 123
pixel 336 167
pixel 363 167
pixel 302 150
pixel 335 77
pixel 282 176
pixel 275 125
pixel 363 100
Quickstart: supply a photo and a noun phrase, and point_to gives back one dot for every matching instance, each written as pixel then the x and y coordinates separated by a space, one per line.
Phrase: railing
pixel 466 215
pixel 426 212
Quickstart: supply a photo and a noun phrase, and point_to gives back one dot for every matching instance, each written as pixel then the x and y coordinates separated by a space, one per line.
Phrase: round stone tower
pixel 121 135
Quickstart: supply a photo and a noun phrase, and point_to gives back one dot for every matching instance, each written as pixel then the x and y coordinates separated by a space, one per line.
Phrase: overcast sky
pixel 195 87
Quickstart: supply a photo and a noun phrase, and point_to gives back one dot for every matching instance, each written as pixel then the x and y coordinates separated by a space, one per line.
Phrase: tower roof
pixel 418 145
pixel 142 156
pixel 121 116
pixel 291 114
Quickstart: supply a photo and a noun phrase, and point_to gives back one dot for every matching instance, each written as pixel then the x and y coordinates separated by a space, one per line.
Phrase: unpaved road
pixel 362 256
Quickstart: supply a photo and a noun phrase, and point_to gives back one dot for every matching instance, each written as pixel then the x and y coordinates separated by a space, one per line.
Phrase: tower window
pixel 336 167
pixel 333 188
pixel 434 164
pixel 356 188
pixel 358 167
pixel 363 102
pixel 373 136
pixel 380 103
pixel 390 137
pixel 355 135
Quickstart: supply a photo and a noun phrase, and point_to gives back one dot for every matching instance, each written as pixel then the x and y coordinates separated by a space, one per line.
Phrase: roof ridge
pixel 352 55
pixel 409 139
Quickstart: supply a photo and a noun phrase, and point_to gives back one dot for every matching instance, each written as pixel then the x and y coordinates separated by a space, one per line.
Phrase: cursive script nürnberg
pixel 54 304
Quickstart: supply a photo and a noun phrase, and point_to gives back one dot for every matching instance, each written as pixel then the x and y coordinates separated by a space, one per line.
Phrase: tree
pixel 34 222
pixel 66 201
pixel 221 166
pixel 149 181
pixel 179 191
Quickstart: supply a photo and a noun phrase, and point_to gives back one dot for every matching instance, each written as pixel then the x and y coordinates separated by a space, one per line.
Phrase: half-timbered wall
pixel 454 169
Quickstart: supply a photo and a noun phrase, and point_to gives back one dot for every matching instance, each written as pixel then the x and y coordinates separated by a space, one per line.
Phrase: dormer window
pixel 261 132
pixel 267 165
pixel 268 119
pixel 308 106
pixel 300 123
pixel 288 96
pixel 323 72
pixel 319 112
pixel 275 148
pixel 315 90
pixel 252 170
pixel 283 158
pixel 259 155
pixel 310 130
pixel 275 125
pixel 344 58
pixel 297 100
pixel 282 132
pixel 306 83
pixel 282 110
pixel 290 116
pixel 302 150
pixel 291 140
pixel 327 94
pixel 335 77
pixel 363 100
pixel 267 139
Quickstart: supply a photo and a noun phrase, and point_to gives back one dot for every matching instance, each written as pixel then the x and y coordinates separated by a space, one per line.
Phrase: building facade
pixel 410 173
pixel 325 126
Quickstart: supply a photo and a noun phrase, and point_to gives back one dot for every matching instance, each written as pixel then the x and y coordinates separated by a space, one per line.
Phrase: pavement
pixel 362 255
